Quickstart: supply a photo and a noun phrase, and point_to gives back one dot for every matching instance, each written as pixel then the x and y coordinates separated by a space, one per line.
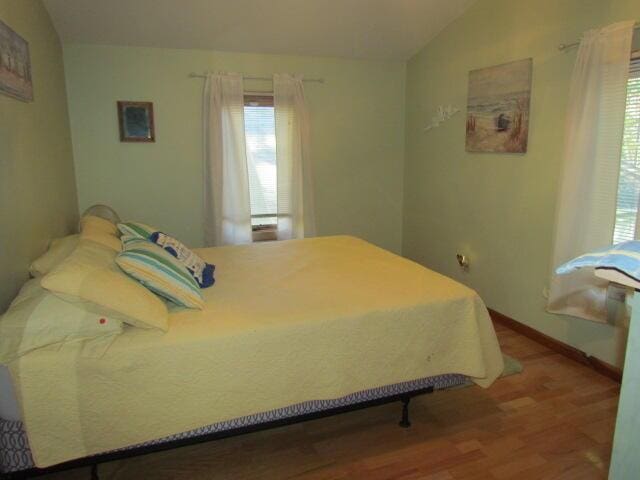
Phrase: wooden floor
pixel 554 420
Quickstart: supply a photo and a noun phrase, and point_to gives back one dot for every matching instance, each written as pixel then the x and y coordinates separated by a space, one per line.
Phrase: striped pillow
pixel 135 229
pixel 197 267
pixel 160 272
pixel 128 239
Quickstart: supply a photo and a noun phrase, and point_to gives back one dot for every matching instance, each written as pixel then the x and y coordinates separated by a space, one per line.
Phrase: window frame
pixel 266 232
pixel 634 59
pixel 258 100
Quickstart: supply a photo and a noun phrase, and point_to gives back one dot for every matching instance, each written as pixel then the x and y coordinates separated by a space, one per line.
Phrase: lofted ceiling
pixel 372 29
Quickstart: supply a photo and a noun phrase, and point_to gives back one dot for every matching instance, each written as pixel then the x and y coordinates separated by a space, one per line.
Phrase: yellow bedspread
pixel 286 322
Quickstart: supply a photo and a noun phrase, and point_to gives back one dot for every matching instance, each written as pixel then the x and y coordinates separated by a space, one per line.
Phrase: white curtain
pixel 587 199
pixel 295 188
pixel 227 211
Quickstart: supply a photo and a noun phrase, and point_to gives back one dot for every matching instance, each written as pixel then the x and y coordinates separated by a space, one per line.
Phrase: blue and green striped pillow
pixel 129 239
pixel 160 272
pixel 136 229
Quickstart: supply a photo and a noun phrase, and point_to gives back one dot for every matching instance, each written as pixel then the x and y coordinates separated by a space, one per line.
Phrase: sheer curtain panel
pixel 295 183
pixel 227 211
pixel 585 215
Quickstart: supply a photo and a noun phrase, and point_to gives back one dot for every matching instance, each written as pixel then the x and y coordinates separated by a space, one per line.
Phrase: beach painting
pixel 498 108
pixel 15 65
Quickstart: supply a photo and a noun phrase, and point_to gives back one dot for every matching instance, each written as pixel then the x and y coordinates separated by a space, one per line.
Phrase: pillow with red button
pixel 38 318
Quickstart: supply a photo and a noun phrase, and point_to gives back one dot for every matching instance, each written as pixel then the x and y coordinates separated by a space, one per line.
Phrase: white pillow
pixel 37 318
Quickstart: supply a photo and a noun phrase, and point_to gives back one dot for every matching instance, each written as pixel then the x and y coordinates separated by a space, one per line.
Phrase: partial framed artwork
pixel 136 121
pixel 15 65
pixel 498 108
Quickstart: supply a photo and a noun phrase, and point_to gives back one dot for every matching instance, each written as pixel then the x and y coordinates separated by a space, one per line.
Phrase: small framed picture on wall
pixel 136 122
pixel 15 65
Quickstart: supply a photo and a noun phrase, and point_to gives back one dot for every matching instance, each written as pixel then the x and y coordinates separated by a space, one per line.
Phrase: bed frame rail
pixel 95 460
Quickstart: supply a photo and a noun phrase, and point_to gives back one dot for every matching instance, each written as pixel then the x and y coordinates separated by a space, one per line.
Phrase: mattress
pixel 286 323
pixel 15 453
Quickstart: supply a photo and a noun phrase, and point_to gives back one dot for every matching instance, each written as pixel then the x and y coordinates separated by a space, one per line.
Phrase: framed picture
pixel 136 122
pixel 15 65
pixel 498 108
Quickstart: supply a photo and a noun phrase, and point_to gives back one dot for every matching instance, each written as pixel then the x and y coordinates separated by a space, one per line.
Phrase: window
pixel 629 181
pixel 260 132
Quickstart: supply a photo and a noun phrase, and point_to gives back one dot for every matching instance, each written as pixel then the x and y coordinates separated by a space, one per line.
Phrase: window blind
pixel 260 132
pixel 629 181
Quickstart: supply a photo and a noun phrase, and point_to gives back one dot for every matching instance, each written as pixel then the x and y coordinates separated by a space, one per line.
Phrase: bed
pixel 290 329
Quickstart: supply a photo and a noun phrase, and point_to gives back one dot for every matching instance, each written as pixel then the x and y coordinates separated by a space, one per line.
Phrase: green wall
pixel 617 10
pixel 37 186
pixel 499 209
pixel 357 136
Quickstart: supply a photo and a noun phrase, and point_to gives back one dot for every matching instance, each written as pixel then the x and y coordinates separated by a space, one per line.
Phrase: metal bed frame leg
pixel 405 423
pixel 94 472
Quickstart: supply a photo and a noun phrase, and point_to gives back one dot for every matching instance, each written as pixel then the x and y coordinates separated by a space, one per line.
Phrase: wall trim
pixel 562 348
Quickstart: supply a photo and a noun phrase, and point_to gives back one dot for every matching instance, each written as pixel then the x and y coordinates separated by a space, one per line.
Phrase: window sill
pixel 265 235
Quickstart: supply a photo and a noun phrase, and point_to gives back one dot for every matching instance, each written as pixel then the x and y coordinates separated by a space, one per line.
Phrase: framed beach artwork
pixel 15 65
pixel 136 122
pixel 498 108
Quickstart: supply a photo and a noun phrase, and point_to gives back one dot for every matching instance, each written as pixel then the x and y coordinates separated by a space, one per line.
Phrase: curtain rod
pixel 566 46
pixel 267 79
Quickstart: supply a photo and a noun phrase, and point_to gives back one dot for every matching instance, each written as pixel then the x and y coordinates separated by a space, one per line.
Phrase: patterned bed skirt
pixel 15 454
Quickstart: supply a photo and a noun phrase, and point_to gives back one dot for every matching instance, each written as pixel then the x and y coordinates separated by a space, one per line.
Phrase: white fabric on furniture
pixel 227 211
pixel 587 198
pixel 295 189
